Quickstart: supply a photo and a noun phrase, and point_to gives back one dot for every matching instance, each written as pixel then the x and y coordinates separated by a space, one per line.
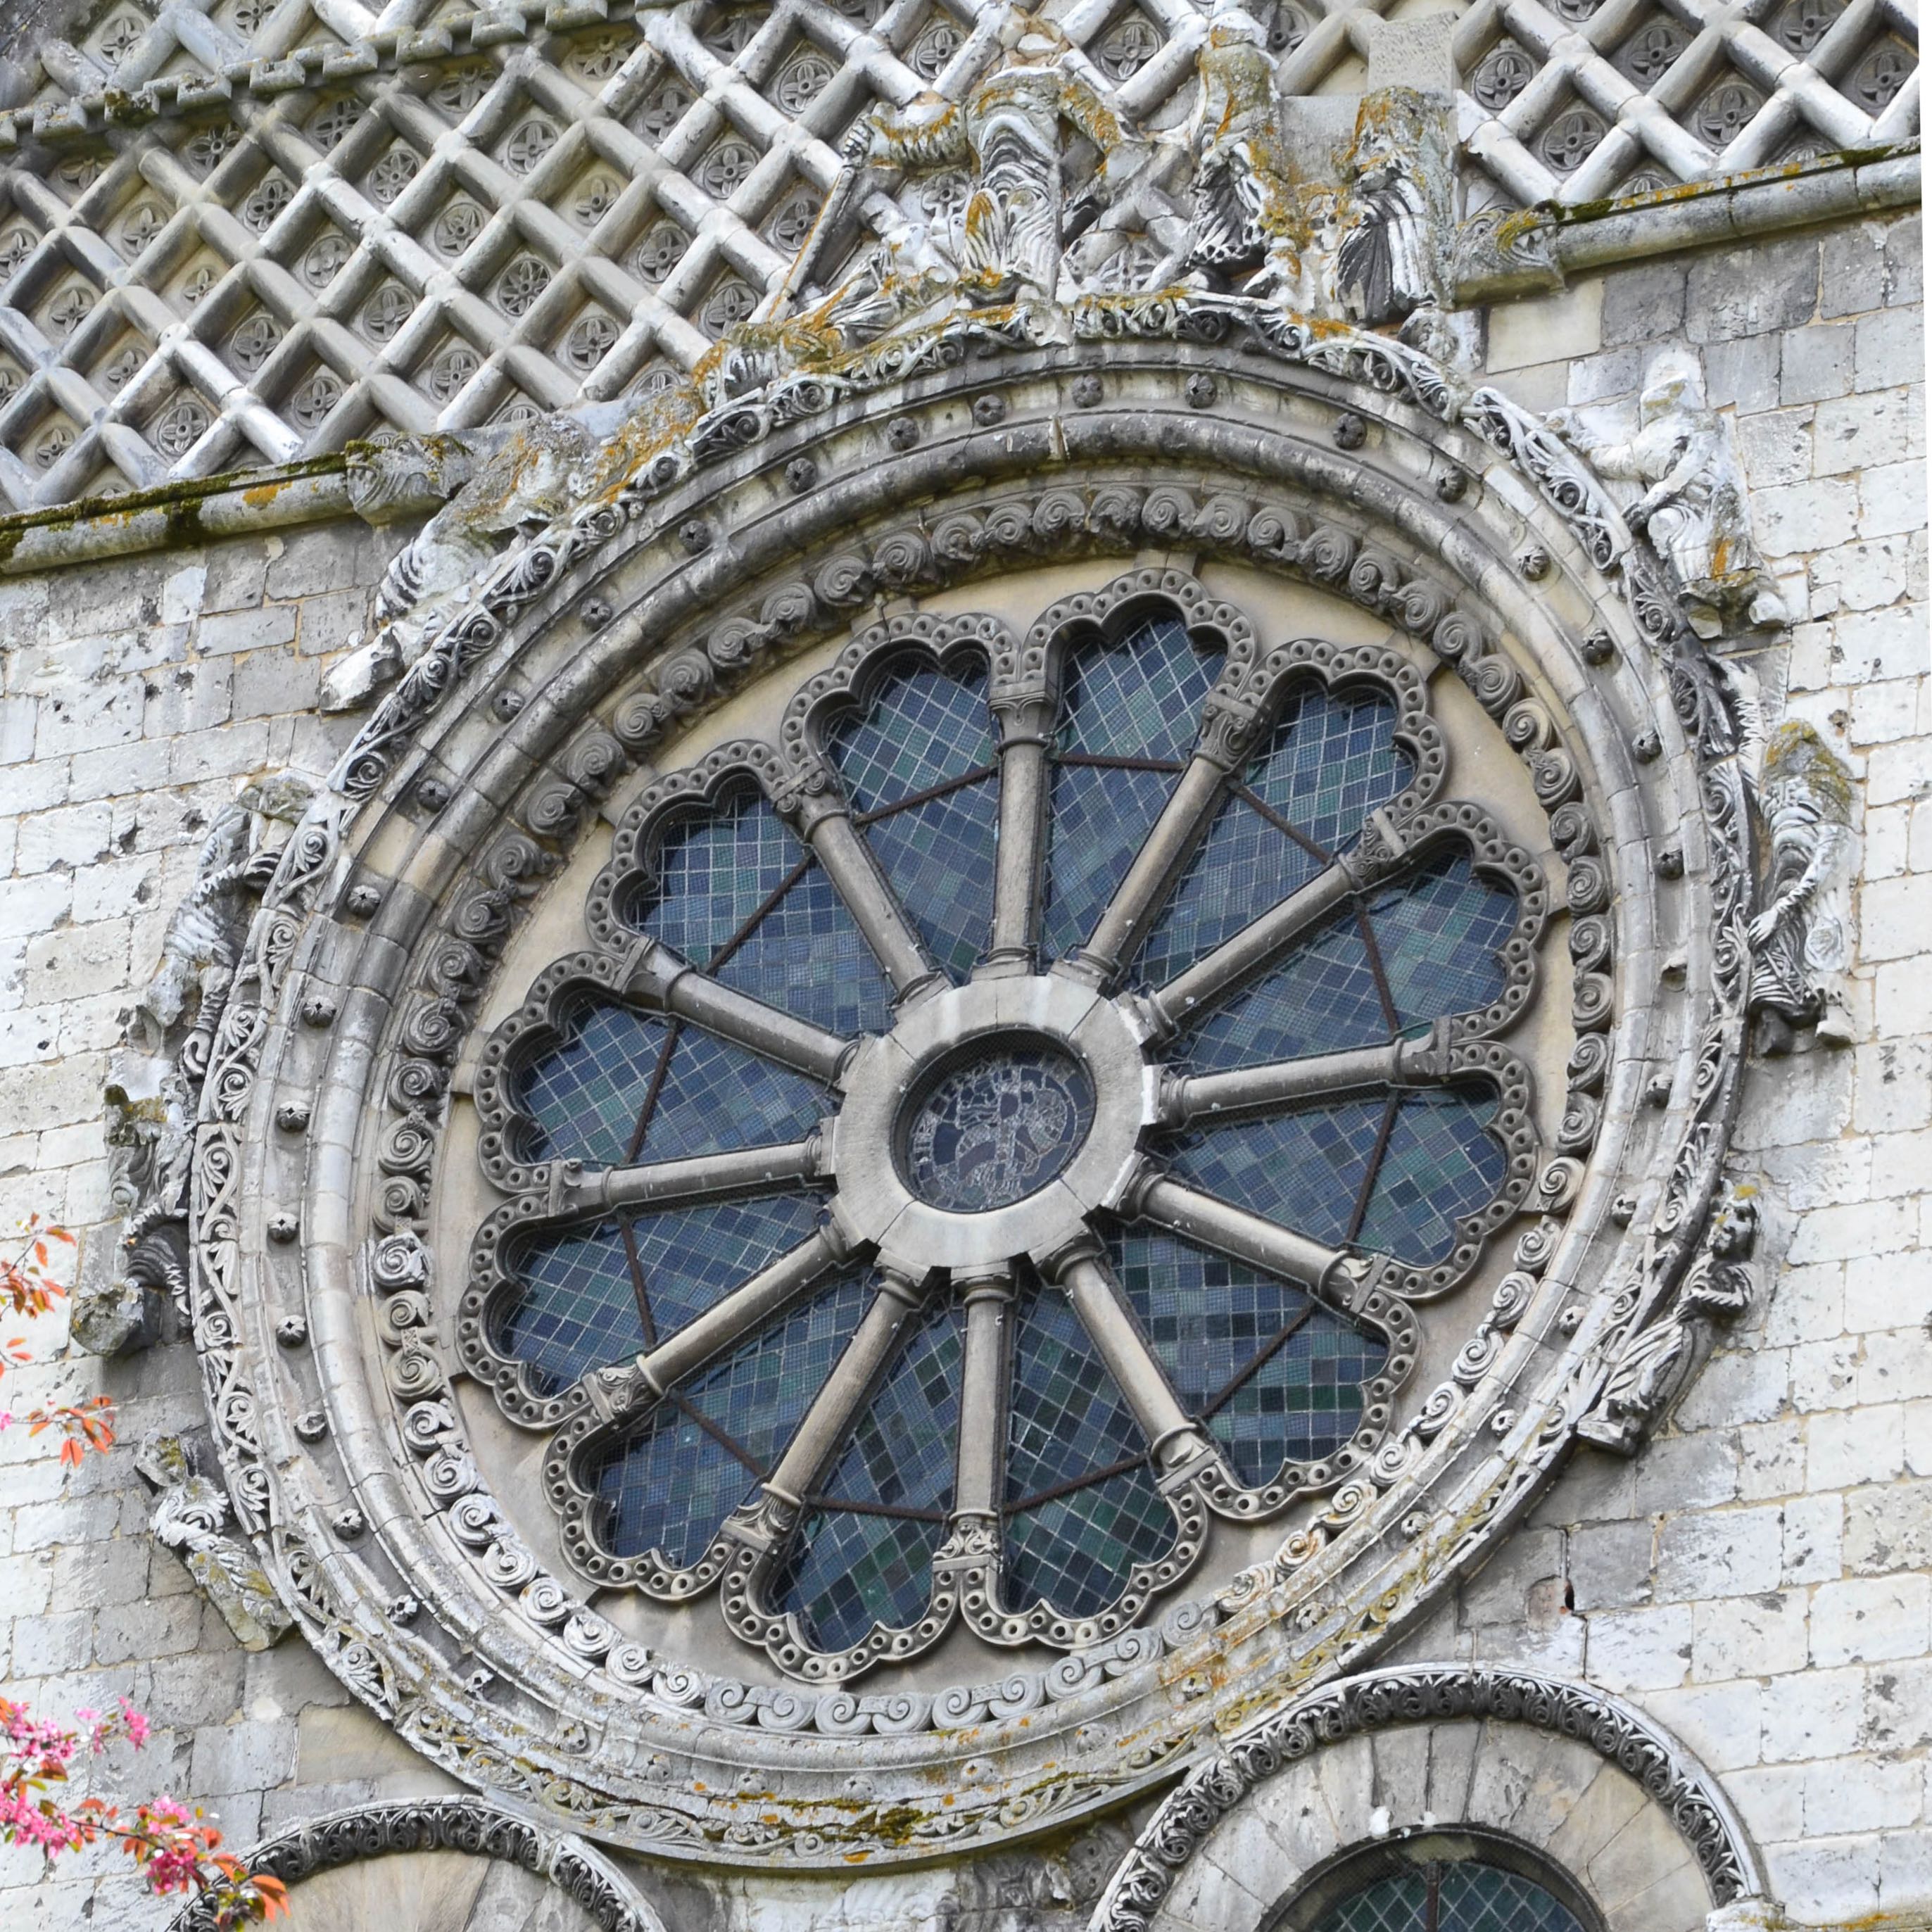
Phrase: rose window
pixel 1005 1131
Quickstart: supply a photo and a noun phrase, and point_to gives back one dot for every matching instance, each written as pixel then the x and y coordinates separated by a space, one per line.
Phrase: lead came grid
pixel 707 1447
pixel 1271 1377
pixel 871 1562
pixel 918 766
pixel 1130 710
pixel 1276 1379
pixel 1327 765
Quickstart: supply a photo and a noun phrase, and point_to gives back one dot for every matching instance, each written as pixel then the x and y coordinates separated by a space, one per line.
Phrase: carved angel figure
pixel 1693 501
pixel 1007 132
pixel 1242 199
pixel 1801 945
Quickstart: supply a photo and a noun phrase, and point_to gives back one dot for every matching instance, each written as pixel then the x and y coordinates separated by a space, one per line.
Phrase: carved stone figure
pixel 191 1513
pixel 1716 1287
pixel 1692 504
pixel 1394 212
pixel 199 950
pixel 1247 223
pixel 533 475
pixel 1008 134
pixel 1800 940
pixel 151 1100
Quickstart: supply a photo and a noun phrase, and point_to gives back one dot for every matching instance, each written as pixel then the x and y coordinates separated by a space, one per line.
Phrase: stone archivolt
pixel 1348 462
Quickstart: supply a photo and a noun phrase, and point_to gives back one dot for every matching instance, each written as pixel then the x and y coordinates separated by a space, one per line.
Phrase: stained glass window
pixel 727 1158
pixel 1466 1896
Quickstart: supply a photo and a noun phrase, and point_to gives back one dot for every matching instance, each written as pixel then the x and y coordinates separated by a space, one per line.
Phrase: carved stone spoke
pixel 1244 1237
pixel 1157 869
pixel 1211 978
pixel 1173 1436
pixel 1287 1083
pixel 988 1300
pixel 661 981
pixel 575 1195
pixel 747 1307
pixel 851 1378
pixel 894 944
pixel 1025 721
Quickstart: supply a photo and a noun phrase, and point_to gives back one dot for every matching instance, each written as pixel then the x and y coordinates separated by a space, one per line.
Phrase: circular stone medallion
pixel 994 1128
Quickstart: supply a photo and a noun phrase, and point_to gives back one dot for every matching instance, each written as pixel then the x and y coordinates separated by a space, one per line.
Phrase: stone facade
pixel 1755 1581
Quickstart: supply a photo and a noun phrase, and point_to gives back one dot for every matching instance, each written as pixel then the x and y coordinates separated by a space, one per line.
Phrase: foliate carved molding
pixel 1424 1693
pixel 443 643
pixel 474 1826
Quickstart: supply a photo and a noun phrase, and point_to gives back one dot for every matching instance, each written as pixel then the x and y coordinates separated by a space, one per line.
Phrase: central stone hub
pixel 996 1125
pixel 991 1123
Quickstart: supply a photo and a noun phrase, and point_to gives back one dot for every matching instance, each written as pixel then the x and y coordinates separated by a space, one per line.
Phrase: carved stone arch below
pixel 1576 1776
pixel 441 1864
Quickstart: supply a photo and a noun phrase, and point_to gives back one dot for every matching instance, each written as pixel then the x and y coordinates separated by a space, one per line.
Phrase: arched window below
pixel 1461 1882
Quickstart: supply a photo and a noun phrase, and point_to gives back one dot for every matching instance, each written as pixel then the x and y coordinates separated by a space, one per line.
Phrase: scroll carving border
pixel 1424 1693
pixel 473 1825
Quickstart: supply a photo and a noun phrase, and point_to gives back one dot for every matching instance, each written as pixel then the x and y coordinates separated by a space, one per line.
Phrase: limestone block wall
pixel 1759 1579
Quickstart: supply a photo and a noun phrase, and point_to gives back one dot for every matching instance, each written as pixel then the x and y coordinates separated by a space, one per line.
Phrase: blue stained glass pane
pixel 1440 1163
pixel 669 1487
pixel 1304 1169
pixel 1139 697
pixel 849 1569
pixel 716 1097
pixel 692 1257
pixel 1482 1898
pixel 924 728
pixel 808 955
pixel 1101 815
pixel 714 872
pixel 1320 999
pixel 938 857
pixel 1389 1905
pixel 1208 1318
pixel 579 1308
pixel 585 1094
pixel 1440 930
pixel 1242 868
pixel 1329 764
pixel 1066 1420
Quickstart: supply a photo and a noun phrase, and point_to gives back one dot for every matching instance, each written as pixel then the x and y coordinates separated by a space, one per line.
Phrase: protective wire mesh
pixel 1276 1378
pixel 848 1569
pixel 1082 1507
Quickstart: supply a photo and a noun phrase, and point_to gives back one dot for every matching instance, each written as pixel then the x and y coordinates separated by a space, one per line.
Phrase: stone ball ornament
pixel 992 1129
